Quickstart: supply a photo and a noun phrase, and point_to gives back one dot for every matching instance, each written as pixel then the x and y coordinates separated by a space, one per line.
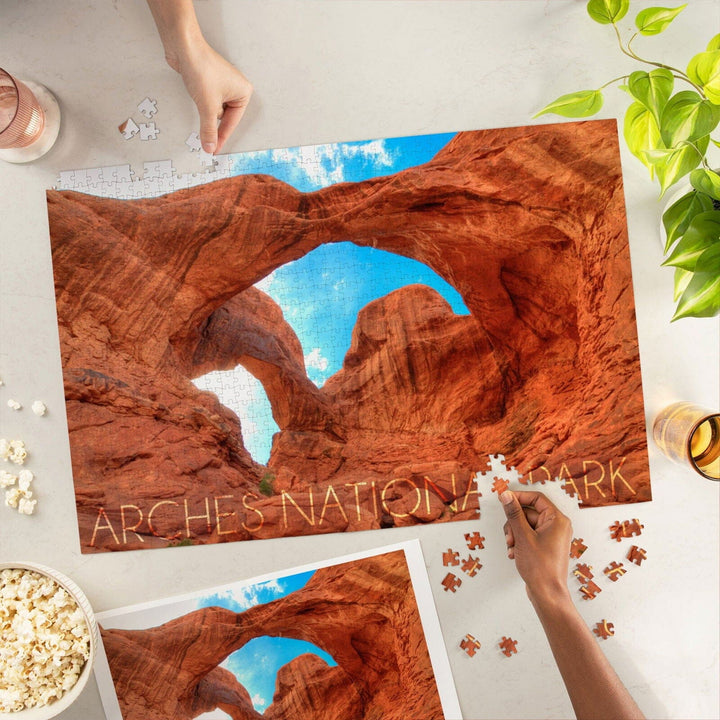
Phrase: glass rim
pixel 688 444
pixel 17 100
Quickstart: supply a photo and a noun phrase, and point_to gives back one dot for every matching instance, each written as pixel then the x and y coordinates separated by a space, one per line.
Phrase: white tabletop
pixel 329 71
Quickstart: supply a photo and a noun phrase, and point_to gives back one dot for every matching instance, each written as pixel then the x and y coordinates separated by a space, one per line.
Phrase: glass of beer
pixel 29 119
pixel 690 434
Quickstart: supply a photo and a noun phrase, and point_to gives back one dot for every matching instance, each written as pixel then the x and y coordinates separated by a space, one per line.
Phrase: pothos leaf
pixel 652 89
pixel 606 12
pixel 680 282
pixel 679 215
pixel 701 297
pixel 575 105
pixel 706 181
pixel 653 20
pixel 673 163
pixel 704 70
pixel 702 233
pixel 687 116
pixel 641 133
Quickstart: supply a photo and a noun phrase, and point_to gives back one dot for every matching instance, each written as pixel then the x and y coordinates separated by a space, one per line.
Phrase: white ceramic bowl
pixel 55 708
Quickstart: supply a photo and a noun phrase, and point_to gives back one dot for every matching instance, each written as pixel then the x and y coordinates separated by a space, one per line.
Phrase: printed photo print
pixel 353 639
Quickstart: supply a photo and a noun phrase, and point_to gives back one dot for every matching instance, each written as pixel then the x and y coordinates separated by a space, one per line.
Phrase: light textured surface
pixel 331 71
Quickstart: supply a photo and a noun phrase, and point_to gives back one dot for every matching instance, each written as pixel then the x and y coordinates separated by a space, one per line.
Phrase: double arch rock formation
pixel 526 223
pixel 364 614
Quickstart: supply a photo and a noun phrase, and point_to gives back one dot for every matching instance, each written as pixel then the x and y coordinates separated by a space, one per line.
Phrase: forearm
pixel 593 686
pixel 177 26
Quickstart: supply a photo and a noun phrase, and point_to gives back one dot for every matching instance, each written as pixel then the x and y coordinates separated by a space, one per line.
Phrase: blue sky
pixel 321 293
pixel 256 664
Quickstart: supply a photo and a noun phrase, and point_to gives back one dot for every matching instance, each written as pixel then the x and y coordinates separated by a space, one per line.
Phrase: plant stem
pixel 679 74
pixel 614 80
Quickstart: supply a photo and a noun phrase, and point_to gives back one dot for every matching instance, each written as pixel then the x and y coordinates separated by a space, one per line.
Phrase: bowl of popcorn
pixel 49 638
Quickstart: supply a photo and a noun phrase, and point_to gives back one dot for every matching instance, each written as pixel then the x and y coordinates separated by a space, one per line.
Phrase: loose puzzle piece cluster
pixel 147 131
pixel 508 646
pixel 614 571
pixel 590 590
pixel 577 548
pixel 500 485
pixel 451 582
pixel 583 572
pixel 470 566
pixel 470 645
pixel 636 555
pixel 625 529
pixel 474 541
pixel 604 629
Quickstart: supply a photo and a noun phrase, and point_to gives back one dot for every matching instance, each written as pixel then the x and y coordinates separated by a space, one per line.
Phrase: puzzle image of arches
pixel 508 646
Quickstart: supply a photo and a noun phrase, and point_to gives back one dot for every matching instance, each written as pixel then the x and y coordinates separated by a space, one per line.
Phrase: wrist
pixel 549 596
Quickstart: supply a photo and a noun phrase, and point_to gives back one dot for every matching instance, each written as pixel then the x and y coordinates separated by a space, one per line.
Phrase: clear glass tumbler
pixel 29 119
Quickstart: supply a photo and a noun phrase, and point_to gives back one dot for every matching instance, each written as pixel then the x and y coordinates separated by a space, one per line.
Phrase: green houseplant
pixel 669 132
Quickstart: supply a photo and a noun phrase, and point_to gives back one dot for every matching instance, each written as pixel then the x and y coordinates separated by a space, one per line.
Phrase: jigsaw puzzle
pixel 583 572
pixel 636 555
pixel 625 529
pixel 474 541
pixel 470 645
pixel 356 371
pixel 614 571
pixel 577 548
pixel 508 646
pixel 604 629
pixel 451 557
pixel 470 566
pixel 451 582
pixel 590 591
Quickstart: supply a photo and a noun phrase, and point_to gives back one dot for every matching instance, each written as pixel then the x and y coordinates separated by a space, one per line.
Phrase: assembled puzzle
pixel 341 337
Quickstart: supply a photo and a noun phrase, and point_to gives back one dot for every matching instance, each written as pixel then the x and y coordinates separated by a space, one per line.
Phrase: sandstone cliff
pixel 526 223
pixel 362 613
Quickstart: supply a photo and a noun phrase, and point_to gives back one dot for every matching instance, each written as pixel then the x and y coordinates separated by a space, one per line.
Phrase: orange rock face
pixel 527 224
pixel 362 613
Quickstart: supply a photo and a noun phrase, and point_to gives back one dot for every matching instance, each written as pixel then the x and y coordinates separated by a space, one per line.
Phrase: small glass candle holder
pixel 29 119
pixel 690 434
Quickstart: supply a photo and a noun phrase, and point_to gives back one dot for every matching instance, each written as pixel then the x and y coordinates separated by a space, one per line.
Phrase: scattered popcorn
pixel 13 450
pixel 39 408
pixel 14 404
pixel 26 506
pixel 25 477
pixel 7 479
pixel 46 641
pixel 13 495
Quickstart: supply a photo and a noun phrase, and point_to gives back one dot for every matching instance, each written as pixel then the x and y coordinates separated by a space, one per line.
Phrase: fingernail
pixel 209 147
pixel 506 497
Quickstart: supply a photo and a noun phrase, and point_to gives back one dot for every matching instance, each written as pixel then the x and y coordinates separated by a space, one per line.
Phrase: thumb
pixel 208 129
pixel 515 515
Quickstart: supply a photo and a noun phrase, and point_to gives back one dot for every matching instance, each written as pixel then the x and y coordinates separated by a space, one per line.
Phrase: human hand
pixel 220 91
pixel 538 538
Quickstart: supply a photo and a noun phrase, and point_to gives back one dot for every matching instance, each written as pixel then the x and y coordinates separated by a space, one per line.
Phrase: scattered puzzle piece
pixel 470 566
pixel 604 629
pixel 583 572
pixel 470 645
pixel 474 541
pixel 636 555
pixel 508 646
pixel 148 131
pixel 193 142
pixel 451 582
pixel 590 590
pixel 129 128
pixel 500 485
pixel 451 557
pixel 577 548
pixel 615 571
pixel 625 529
pixel 148 107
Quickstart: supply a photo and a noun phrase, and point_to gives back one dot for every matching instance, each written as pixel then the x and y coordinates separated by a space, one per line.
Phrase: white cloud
pixel 315 360
pixel 259 700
